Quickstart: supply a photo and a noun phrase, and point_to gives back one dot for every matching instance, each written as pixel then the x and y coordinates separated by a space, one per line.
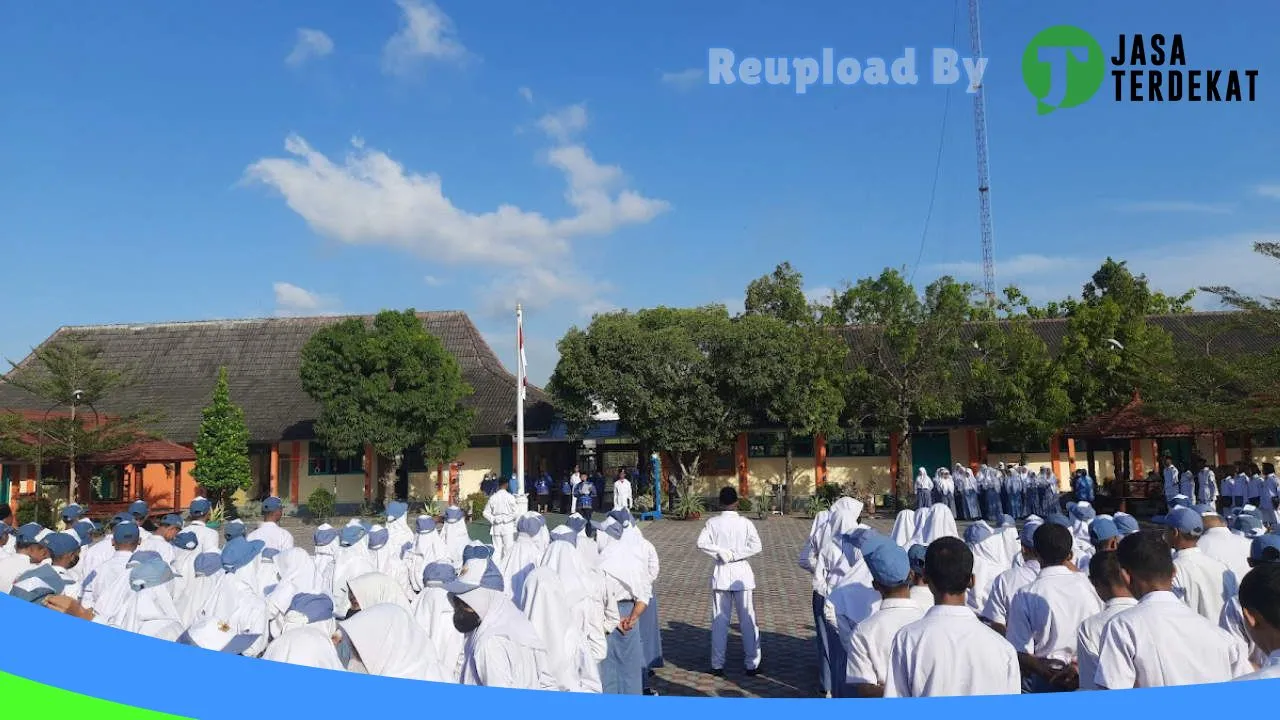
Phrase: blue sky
pixel 188 161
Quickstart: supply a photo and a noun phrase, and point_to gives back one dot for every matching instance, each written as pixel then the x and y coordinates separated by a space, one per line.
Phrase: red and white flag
pixel 524 362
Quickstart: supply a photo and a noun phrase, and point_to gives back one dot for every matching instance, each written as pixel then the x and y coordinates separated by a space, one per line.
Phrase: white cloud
pixel 1177 206
pixel 426 33
pixel 292 300
pixel 1268 191
pixel 685 79
pixel 310 44
pixel 543 289
pixel 526 93
pixel 563 124
pixel 432 281
pixel 1174 269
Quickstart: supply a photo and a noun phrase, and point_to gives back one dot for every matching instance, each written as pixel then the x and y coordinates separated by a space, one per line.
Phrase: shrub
pixel 745 505
pixel 321 503
pixel 474 504
pixel 689 505
pixel 830 492
pixel 816 505
pixel 37 510
pixel 644 503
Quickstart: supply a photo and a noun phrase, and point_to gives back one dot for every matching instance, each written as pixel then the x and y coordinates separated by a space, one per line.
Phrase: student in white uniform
pixel 1170 475
pixel 1219 543
pixel 269 531
pixel 502 648
pixel 1161 642
pixel 64 553
pixel 501 513
pixel 731 540
pixel 1204 584
pixel 870 645
pixel 1108 581
pixel 1260 607
pixel 949 652
pixel 1263 550
pixel 622 491
pixel 1045 616
pixel 197 518
pixel 1014 579
pixel 1103 535
pixel 161 540
pixel 29 553
pixel 1126 524
pixel 1270 500
pixel 99 584
pixel 920 592
pixel 141 512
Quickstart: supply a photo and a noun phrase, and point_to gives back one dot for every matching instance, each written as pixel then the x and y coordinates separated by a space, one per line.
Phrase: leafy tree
pixel 779 295
pixel 1018 385
pixel 905 352
pixel 391 385
pixel 660 370
pixel 1110 351
pixel 69 374
pixel 222 449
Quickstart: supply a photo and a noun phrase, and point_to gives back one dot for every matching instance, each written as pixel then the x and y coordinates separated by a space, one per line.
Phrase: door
pixel 507 463
pixel 6 477
pixel 929 451
pixel 1180 449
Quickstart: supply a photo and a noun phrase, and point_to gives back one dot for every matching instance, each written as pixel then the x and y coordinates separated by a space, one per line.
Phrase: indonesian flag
pixel 524 362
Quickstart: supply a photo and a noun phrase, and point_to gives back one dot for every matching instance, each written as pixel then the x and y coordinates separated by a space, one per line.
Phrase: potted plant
pixel 762 505
pixel 689 507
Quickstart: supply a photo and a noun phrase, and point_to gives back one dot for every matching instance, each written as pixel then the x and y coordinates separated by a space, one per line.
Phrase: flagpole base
pixel 522 503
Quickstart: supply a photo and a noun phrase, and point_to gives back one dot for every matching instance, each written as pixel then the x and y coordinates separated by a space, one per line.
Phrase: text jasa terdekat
pixel 1154 69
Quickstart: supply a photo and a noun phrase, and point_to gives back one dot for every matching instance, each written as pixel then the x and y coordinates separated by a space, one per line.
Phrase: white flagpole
pixel 520 391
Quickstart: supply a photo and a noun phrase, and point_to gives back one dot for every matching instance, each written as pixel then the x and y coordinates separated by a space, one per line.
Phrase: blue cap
pixel 200 506
pixel 85 528
pixel 240 552
pixel 1102 529
pixel 142 556
pixel 977 532
pixel 378 538
pixel 38 583
pixel 565 533
pixel 272 504
pixel 269 554
pixel 171 520
pixel 125 532
pixel 1007 521
pixel 1179 501
pixel 6 528
pixel 888 564
pixel 61 543
pixel 1126 524
pixel 1058 519
pixel 234 529
pixel 614 530
pixel 120 518
pixel 351 535
pixel 1258 548
pixel 1028 535
pixel 324 536
pixel 186 541
pixel 29 533
pixel 1249 525
pixel 208 564
pixel 150 573
pixel 453 513
pixel 1186 521
pixel 621 515
pixel 436 574
pixel 1204 509
pixel 915 556
pixel 71 512
pixel 476 573
pixel 425 524
pixel 396 509
pixel 531 524
pixel 577 522
pixel 139 508
pixel 316 608
pixel 1083 512
pixel 476 550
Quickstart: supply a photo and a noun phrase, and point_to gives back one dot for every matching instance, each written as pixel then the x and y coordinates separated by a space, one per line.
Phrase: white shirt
pixel 11 568
pixel 1207 489
pixel 1045 616
pixel 1007 584
pixel 730 539
pixel 103 578
pixel 1270 669
pixel 949 652
pixel 872 641
pixel 92 557
pixel 159 546
pixel 1204 584
pixel 922 596
pixel 1170 482
pixel 1089 639
pixel 1227 548
pixel 1161 642
pixel 272 536
pixel 621 494
pixel 207 539
pixel 502 513
pixel 1255 486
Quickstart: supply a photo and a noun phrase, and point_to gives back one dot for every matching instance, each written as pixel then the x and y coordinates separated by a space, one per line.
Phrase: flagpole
pixel 521 381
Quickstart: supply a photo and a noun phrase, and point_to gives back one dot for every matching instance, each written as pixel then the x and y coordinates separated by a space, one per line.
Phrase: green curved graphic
pixel 22 694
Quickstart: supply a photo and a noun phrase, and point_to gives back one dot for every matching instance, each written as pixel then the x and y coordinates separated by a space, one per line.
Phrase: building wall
pixel 870 472
pixel 476 463
pixel 350 485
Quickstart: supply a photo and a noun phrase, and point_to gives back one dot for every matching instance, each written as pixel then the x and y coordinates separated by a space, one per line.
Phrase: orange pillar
pixel 893 463
pixel 740 462
pixel 820 459
pixel 1135 449
pixel 971 444
pixel 295 472
pixel 1071 454
pixel 440 480
pixel 274 471
pixel 1220 449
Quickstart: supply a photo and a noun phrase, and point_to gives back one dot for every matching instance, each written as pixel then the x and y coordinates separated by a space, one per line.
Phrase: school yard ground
pixel 782 600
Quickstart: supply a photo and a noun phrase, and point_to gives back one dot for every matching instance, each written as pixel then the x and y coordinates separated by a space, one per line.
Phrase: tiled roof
pixel 175 366
pixel 148 451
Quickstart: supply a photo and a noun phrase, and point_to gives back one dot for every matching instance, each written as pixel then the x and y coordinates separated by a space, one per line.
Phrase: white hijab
pixel 391 644
pixel 544 602
pixel 941 523
pixel 375 588
pixel 502 622
pixel 299 570
pixel 521 559
pixel 923 481
pixel 904 527
pixel 308 646
pixel 434 613
pixel 324 561
pixel 195 593
pixel 456 538
pixel 428 548
pixel 919 535
pixel 151 612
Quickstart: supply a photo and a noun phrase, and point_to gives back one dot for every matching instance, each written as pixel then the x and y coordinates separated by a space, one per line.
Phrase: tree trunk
pixel 786 474
pixel 389 481
pixel 904 462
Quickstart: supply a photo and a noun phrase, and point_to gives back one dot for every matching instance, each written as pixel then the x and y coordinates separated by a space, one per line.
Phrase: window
pixel 998 447
pixel 857 443
pixel 106 484
pixel 320 462
pixel 1265 439
pixel 773 444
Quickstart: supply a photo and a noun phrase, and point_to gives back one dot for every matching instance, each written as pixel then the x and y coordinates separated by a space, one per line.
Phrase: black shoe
pixel 752 672
pixel 650 691
pixel 717 673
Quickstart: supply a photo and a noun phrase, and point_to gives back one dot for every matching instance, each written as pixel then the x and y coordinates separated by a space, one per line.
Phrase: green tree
pixel 660 370
pixel 1018 385
pixel 69 374
pixel 905 353
pixel 222 449
pixel 779 295
pixel 391 385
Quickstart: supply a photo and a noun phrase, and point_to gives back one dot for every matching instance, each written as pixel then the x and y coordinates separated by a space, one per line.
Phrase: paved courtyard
pixel 782 600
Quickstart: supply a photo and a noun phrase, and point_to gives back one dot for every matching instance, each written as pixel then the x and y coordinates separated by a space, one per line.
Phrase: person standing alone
pixel 731 539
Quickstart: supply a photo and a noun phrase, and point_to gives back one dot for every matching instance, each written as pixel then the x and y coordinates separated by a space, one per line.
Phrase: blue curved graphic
pixel 179 680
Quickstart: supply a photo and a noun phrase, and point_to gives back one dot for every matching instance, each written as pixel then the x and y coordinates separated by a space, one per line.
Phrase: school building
pixel 175 365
